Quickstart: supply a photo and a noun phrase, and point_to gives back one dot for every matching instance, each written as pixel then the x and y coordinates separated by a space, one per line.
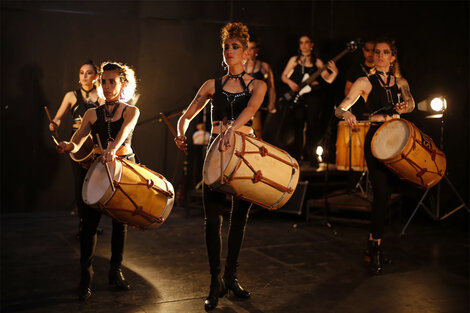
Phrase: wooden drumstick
pixel 221 156
pixel 172 130
pixel 50 120
pixel 105 163
pixel 55 140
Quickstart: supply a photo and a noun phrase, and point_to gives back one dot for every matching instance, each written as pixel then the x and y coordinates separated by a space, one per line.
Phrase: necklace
pixel 236 75
pixel 303 60
pixel 88 91
pixel 380 78
pixel 108 104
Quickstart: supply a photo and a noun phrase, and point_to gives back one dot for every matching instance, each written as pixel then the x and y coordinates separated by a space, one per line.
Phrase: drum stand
pixel 436 214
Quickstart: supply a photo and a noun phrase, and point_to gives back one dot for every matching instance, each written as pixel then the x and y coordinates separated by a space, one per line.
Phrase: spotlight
pixel 433 104
pixel 438 104
pixel 319 153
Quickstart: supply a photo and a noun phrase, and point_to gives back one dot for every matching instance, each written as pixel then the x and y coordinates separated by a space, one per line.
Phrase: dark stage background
pixel 174 47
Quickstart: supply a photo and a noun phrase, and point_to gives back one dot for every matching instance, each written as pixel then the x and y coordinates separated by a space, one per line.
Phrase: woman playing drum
pixel 235 98
pixel 114 122
pixel 387 95
pixel 78 102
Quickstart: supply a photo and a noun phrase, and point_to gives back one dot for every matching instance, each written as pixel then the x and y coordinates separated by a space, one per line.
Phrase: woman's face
pixel 252 50
pixel 233 52
pixel 383 55
pixel 305 45
pixel 112 85
pixel 87 74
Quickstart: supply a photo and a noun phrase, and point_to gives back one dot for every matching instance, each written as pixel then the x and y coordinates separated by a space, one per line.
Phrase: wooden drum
pixel 350 146
pixel 252 170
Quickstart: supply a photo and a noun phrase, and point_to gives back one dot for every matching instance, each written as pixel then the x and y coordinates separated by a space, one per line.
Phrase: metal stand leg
pixel 436 216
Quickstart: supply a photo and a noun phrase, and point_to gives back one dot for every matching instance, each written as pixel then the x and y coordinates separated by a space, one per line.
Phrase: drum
pixel 350 146
pixel 86 152
pixel 142 198
pixel 409 153
pixel 252 170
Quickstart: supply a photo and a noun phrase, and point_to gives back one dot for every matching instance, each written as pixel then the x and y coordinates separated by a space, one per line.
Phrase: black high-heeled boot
pixel 217 290
pixel 376 258
pixel 231 282
pixel 117 280
pixel 368 254
pixel 84 288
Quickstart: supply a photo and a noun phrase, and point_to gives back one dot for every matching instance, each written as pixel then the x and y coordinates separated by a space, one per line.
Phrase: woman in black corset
pixel 262 71
pixel 78 102
pixel 309 108
pixel 235 98
pixel 387 95
pixel 114 122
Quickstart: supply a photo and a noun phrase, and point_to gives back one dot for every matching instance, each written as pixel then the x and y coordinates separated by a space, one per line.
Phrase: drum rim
pixel 374 138
pixel 90 154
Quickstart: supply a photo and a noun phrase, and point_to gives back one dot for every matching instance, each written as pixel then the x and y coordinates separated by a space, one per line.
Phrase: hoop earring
pixel 224 65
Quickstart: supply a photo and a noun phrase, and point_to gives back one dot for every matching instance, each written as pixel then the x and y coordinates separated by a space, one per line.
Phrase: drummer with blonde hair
pixel 235 98
pixel 112 125
pixel 387 95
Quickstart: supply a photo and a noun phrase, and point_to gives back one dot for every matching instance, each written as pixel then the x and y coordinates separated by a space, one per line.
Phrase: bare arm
pixel 270 86
pixel 408 103
pixel 67 103
pixel 327 76
pixel 199 102
pixel 85 127
pixel 288 70
pixel 361 87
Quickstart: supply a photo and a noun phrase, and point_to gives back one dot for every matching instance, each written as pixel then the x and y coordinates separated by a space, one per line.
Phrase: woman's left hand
pixel 108 155
pixel 401 107
pixel 332 67
pixel 225 141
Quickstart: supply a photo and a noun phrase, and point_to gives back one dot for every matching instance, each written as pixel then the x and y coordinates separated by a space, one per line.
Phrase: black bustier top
pixel 227 106
pixel 108 130
pixel 381 100
pixel 81 106
pixel 259 74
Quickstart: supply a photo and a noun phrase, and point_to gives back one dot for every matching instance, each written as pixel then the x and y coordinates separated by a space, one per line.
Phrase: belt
pixel 217 124
pixel 123 150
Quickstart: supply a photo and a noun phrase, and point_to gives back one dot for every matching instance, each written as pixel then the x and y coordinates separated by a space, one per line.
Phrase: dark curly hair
pixel 235 30
pixel 125 73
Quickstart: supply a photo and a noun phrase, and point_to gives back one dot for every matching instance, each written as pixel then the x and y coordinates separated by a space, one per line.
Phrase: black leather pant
pixel 214 205
pixel 382 181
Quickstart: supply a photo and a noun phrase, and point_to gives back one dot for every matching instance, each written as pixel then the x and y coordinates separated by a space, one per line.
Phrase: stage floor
pixel 288 266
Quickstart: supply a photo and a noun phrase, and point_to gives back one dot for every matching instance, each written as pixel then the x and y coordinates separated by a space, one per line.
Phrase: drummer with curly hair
pixel 234 98
pixel 114 123
pixel 387 95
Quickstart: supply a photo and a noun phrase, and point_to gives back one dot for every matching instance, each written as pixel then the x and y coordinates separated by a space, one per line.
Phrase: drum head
pixel 212 167
pixel 97 187
pixel 390 139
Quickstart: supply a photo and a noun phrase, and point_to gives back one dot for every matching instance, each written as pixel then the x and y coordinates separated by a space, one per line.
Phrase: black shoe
pixel 84 288
pixel 236 288
pixel 376 258
pixel 117 280
pixel 84 293
pixel 217 290
pixel 368 254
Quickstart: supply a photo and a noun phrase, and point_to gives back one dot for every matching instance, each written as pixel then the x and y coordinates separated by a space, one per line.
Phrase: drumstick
pixel 50 120
pixel 221 156
pixel 105 163
pixel 172 130
pixel 55 140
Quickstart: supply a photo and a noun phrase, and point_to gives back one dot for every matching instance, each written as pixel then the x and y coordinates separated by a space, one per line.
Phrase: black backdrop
pixel 174 47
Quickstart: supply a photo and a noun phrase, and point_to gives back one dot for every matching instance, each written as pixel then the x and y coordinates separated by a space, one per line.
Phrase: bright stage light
pixel 319 151
pixel 438 104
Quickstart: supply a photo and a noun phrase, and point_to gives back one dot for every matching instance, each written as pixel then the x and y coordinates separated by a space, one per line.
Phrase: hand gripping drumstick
pixel 55 140
pixel 172 130
pixel 105 163
pixel 50 120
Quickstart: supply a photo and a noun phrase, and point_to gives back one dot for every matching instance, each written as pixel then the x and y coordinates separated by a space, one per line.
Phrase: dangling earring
pixel 224 65
pixel 244 61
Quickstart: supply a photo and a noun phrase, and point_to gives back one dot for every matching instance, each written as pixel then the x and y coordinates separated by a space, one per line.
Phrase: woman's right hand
pixel 53 126
pixel 350 118
pixel 181 143
pixel 293 86
pixel 64 146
